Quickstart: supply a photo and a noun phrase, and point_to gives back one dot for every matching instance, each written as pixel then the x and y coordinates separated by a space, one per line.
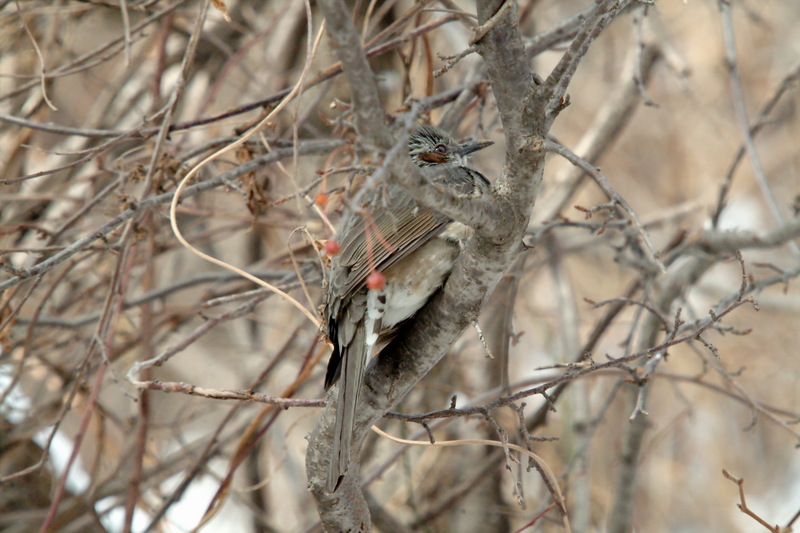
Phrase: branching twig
pixel 161 199
pixel 743 504
pixel 612 195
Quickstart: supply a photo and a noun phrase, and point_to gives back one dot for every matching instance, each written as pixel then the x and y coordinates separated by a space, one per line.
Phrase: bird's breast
pixel 411 282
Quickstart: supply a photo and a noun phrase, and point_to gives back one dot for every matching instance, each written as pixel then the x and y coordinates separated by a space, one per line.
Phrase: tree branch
pixel 361 80
pixel 559 79
pixel 311 147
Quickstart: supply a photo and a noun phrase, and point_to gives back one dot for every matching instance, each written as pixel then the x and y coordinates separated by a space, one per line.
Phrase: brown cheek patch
pixel 432 157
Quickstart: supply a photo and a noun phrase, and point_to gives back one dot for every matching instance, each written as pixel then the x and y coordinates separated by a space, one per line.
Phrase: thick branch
pixel 363 88
pixel 730 241
pixel 511 77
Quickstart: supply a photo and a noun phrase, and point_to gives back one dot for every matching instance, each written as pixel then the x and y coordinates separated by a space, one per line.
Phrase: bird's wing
pixel 395 227
pixel 393 234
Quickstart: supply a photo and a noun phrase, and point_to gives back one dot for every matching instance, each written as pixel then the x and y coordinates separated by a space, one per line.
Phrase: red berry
pixel 321 199
pixel 376 281
pixel 332 248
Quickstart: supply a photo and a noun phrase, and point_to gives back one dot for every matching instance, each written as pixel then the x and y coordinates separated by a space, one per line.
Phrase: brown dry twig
pixel 742 505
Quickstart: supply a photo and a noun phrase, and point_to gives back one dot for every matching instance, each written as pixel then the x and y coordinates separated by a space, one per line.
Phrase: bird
pixel 395 236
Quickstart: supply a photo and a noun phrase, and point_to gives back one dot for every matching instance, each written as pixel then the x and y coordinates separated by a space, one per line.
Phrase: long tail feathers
pixel 349 390
pixel 354 361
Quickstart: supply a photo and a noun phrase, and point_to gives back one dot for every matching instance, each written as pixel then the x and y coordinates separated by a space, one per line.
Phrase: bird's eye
pixel 440 149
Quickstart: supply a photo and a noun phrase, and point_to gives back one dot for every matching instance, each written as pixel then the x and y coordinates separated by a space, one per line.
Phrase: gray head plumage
pixel 429 146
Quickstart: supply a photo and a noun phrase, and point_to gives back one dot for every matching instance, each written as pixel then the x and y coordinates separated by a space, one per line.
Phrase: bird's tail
pixel 355 357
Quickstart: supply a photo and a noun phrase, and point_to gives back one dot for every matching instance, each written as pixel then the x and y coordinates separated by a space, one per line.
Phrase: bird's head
pixel 428 146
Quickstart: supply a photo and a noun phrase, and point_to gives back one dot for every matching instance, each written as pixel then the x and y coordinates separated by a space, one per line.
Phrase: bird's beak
pixel 473 146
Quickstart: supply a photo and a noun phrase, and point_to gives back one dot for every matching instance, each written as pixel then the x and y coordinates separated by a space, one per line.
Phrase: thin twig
pixel 612 195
